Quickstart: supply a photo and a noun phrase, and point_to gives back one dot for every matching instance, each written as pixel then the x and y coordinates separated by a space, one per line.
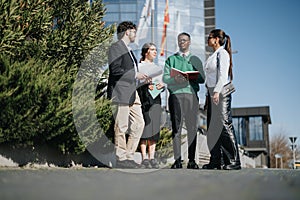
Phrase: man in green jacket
pixel 183 99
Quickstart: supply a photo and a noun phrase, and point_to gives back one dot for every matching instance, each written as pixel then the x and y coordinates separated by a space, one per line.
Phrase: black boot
pixel 215 158
pixel 231 159
pixel 192 165
pixel 211 166
pixel 177 164
pixel 233 166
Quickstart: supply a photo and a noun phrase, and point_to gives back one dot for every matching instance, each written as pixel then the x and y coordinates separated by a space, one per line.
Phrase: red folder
pixel 190 75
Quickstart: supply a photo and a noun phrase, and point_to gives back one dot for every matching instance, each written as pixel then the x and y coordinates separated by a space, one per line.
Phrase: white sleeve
pixel 224 61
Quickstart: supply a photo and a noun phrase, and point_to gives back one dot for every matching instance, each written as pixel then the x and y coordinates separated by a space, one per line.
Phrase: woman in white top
pixel 221 138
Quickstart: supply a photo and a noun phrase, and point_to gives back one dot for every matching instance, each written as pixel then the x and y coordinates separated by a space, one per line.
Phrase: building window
pixel 129 7
pixel 239 124
pixel 113 7
pixel 129 16
pixel 112 17
pixel 255 129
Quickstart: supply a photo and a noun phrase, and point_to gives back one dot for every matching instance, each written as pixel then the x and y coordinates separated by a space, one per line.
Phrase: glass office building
pixel 185 16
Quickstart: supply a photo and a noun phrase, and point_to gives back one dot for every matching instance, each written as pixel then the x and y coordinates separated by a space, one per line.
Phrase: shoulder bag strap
pixel 218 67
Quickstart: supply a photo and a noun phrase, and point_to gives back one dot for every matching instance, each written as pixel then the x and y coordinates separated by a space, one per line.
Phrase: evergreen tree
pixel 43 45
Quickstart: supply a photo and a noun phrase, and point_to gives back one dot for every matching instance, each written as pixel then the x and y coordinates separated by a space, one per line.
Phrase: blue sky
pixel 266 34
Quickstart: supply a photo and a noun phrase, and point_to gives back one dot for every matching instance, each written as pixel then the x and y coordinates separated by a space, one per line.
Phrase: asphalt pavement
pixel 143 184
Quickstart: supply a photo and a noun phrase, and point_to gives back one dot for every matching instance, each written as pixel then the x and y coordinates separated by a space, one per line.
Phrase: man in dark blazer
pixel 123 77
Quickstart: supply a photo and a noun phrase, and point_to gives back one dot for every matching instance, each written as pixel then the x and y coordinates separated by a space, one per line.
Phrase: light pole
pixel 293 146
pixel 277 155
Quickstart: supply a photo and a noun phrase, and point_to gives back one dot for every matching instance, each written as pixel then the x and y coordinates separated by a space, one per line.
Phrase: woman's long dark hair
pixel 145 49
pixel 224 40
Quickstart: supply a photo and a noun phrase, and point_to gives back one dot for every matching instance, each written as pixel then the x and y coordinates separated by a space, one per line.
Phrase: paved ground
pixel 164 184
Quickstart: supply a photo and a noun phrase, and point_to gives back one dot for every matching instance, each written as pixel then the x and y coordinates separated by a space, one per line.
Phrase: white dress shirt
pixel 210 68
pixel 184 54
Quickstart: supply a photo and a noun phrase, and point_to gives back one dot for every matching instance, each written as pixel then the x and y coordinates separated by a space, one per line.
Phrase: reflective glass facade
pixel 121 10
pixel 239 124
pixel 185 16
pixel 251 126
pixel 256 128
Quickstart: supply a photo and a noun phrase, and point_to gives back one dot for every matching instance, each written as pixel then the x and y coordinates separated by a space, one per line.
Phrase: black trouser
pixel 184 107
pixel 221 138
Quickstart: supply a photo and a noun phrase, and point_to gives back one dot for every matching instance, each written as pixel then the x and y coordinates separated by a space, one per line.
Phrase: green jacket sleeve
pixel 167 73
pixel 197 64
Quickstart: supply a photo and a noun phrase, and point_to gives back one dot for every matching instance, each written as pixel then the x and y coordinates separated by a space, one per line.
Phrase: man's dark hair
pixel 123 27
pixel 186 34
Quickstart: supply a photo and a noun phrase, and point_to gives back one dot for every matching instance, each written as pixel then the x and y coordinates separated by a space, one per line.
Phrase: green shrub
pixel 43 46
pixel 164 148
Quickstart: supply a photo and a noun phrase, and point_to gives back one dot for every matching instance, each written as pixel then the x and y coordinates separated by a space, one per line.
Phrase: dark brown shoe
pixel 154 164
pixel 177 165
pixel 232 167
pixel 127 164
pixel 192 165
pixel 211 166
pixel 146 163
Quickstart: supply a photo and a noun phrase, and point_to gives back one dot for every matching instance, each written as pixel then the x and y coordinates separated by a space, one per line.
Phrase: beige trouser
pixel 128 117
